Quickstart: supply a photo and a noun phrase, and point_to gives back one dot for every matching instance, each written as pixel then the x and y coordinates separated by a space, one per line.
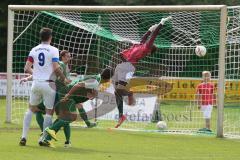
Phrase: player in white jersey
pixel 42 63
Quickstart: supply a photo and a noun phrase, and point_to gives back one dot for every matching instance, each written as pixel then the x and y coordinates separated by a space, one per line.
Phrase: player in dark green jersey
pixel 77 92
pixel 65 58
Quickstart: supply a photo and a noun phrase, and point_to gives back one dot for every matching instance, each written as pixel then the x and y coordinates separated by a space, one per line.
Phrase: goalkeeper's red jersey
pixel 136 52
pixel 206 91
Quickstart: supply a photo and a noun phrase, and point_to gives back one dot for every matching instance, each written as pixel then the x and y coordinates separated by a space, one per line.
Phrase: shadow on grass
pixel 75 150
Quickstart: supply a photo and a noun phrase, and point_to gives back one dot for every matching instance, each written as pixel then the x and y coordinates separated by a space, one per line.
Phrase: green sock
pixel 55 121
pixel 67 132
pixel 83 115
pixel 48 138
pixel 56 126
pixel 40 119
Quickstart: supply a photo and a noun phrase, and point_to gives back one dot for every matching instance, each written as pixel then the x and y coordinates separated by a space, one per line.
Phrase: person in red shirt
pixel 206 97
pixel 125 70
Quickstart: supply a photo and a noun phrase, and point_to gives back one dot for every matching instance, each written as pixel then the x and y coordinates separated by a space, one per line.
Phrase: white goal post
pixel 221 9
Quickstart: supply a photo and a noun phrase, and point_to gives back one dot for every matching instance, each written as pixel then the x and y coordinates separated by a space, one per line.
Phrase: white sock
pixel 47 121
pixel 26 123
pixel 44 135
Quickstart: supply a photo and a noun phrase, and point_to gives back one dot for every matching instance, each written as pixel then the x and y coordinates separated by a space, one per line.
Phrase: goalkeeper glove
pixel 153 27
pixel 163 20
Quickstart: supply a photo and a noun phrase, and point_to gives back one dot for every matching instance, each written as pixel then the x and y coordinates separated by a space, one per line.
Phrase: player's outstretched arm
pixel 29 78
pixel 164 20
pixel 145 36
pixel 59 73
pixel 72 90
pixel 155 30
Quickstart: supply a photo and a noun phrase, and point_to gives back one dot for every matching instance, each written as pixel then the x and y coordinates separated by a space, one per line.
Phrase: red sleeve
pixel 145 36
pixel 154 36
pixel 30 59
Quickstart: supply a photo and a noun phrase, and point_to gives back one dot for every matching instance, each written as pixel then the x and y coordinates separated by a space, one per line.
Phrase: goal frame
pixel 222 41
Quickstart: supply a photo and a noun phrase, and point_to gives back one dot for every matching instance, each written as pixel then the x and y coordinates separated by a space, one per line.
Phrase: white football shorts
pixel 207 111
pixel 42 91
pixel 123 72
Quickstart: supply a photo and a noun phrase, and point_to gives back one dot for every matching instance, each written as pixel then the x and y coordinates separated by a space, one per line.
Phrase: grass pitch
pixel 103 144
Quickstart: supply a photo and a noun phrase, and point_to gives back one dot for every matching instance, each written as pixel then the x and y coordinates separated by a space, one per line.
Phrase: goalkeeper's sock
pixel 67 132
pixel 40 119
pixel 47 121
pixel 26 123
pixel 83 115
pixel 119 100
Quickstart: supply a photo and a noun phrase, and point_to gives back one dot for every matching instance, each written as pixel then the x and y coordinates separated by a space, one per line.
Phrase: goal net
pixel 169 76
pixel 232 74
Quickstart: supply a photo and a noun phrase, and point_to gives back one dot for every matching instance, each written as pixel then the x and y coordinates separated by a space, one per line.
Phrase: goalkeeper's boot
pixel 121 120
pixel 51 133
pixel 67 144
pixel 92 124
pixel 23 142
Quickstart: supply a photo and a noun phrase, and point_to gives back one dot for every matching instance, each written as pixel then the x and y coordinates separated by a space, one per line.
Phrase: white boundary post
pixel 9 65
pixel 221 65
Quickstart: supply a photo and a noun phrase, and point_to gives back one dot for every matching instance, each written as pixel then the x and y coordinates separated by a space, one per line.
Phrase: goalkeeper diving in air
pixel 125 70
